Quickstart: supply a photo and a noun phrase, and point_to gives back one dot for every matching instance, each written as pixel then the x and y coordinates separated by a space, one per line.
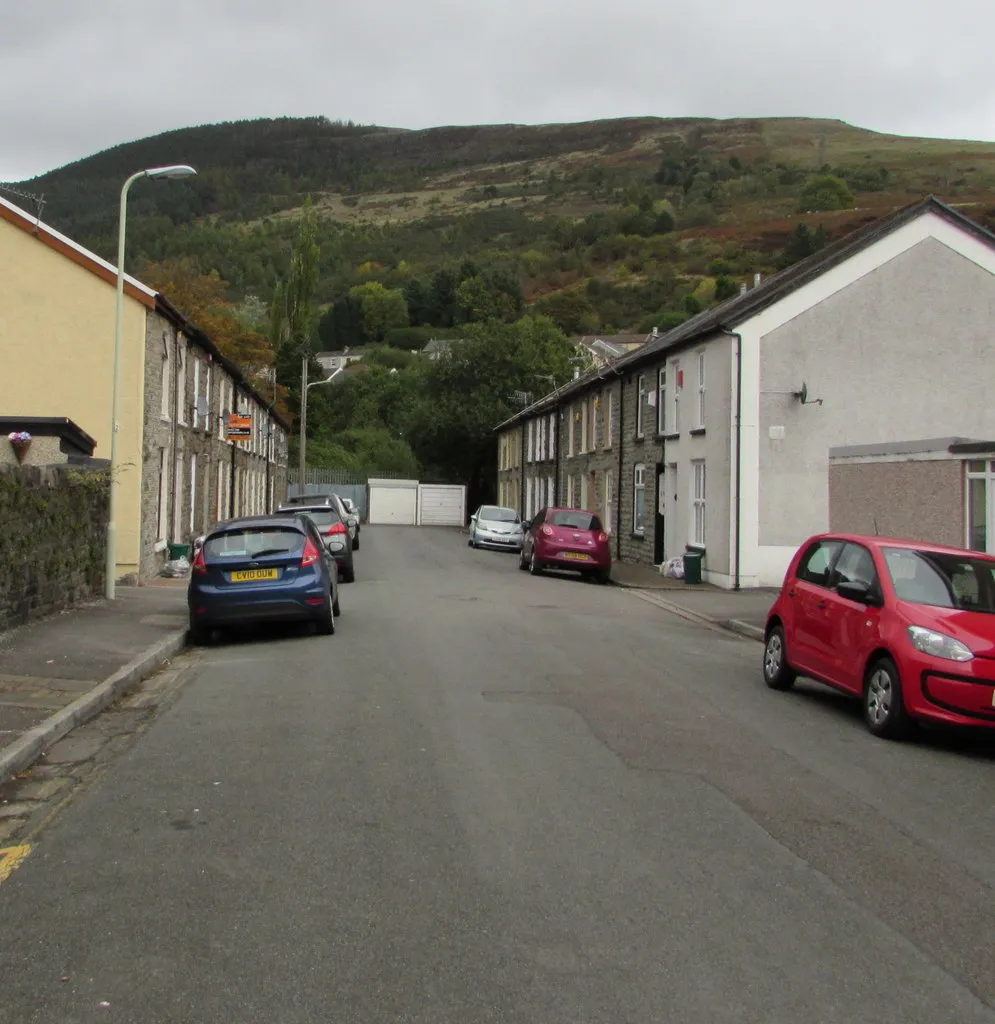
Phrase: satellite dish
pixel 803 394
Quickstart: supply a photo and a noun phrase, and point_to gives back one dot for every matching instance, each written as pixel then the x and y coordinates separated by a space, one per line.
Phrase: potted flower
pixel 20 441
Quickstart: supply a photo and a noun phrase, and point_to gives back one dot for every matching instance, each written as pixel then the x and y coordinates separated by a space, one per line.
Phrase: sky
pixel 79 76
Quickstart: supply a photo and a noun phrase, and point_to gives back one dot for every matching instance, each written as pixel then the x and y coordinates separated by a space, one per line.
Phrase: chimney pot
pixel 742 289
pixel 757 278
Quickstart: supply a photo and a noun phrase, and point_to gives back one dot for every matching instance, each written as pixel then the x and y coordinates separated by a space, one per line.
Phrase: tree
pixel 725 288
pixel 803 244
pixel 382 309
pixel 825 192
pixel 302 281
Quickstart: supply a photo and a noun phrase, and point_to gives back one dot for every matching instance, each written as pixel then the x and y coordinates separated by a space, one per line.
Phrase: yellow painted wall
pixel 56 359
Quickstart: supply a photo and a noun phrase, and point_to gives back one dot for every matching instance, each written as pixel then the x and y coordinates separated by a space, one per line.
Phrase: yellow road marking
pixel 10 860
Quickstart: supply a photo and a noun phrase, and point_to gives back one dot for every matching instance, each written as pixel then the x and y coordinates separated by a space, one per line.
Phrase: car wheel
pixel 535 566
pixel 336 607
pixel 198 636
pixel 523 562
pixel 778 674
pixel 603 576
pixel 348 573
pixel 355 543
pixel 325 626
pixel 884 708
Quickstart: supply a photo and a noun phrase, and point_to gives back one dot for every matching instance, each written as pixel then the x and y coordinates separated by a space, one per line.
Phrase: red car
pixel 567 538
pixel 907 628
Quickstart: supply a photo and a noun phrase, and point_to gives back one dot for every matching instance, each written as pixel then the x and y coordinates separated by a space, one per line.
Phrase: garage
pixel 441 505
pixel 393 502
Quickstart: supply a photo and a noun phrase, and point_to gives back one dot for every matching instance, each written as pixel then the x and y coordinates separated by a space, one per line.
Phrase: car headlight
pixel 939 644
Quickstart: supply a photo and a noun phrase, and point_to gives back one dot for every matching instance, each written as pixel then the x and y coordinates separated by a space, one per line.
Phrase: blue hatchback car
pixel 262 569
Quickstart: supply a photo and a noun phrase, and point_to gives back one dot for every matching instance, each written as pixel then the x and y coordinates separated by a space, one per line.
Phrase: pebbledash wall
pixel 40 506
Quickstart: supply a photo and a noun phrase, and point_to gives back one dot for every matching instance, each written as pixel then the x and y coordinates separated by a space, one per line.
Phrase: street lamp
pixel 305 387
pixel 173 171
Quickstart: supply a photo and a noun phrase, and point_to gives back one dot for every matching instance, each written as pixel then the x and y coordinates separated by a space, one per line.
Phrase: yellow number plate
pixel 248 575
pixel 577 555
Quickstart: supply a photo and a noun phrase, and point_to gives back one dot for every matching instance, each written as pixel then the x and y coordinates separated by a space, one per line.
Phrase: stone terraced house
pixel 783 411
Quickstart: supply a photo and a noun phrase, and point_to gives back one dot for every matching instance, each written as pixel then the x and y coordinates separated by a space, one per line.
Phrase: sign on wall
pixel 239 427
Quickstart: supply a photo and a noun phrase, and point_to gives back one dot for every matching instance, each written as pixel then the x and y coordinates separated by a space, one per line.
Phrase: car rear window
pixel 250 542
pixel 498 515
pixel 942 580
pixel 319 516
pixel 574 520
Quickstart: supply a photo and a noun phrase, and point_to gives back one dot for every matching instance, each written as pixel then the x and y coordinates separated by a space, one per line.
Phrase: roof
pixel 50 426
pixel 74 251
pixel 727 315
pixel 924 447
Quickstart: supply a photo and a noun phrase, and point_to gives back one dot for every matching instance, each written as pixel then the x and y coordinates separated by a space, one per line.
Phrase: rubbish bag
pixel 674 568
pixel 177 568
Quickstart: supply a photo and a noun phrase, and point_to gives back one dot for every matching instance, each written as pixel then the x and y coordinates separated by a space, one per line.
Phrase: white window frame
pixel 592 410
pixel 701 390
pixel 640 405
pixel 550 483
pixel 698 494
pixel 552 437
pixel 570 491
pixel 166 382
pixel 195 417
pixel 609 501
pixel 987 474
pixel 585 439
pixel 528 444
pixel 570 431
pixel 193 493
pixel 675 400
pixel 638 488
pixel 162 520
pixel 609 419
pixel 661 399
pixel 181 387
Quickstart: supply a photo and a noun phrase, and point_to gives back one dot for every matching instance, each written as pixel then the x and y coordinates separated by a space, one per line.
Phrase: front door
pixel 660 527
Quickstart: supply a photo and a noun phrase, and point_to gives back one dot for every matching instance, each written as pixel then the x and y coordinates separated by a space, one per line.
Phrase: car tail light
pixel 547 531
pixel 311 554
pixel 199 565
pixel 602 537
pixel 337 528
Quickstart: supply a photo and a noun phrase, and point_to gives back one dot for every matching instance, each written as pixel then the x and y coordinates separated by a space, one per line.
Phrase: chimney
pixel 655 332
pixel 742 288
pixel 757 278
pixel 576 372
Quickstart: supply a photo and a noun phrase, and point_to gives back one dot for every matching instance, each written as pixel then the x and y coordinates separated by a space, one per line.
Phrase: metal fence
pixel 344 482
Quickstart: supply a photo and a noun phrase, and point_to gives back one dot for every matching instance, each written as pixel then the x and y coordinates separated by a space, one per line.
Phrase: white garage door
pixel 441 505
pixel 393 502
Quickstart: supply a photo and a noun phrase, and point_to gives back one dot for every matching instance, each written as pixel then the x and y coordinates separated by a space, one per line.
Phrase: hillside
pixel 607 225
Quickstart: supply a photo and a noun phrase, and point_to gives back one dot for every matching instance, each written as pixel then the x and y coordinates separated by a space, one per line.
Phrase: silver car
pixel 494 527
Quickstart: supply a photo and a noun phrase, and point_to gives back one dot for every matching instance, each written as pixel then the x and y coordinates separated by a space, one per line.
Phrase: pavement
pixel 493 798
pixel 742 611
pixel 57 672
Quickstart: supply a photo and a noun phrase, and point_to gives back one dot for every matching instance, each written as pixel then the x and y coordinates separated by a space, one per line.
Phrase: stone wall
pixel 53 523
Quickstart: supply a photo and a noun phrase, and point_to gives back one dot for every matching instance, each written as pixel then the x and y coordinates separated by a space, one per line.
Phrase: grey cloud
pixel 79 77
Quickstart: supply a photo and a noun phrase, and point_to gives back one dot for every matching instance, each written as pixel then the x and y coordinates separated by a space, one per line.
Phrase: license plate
pixel 248 575
pixel 577 555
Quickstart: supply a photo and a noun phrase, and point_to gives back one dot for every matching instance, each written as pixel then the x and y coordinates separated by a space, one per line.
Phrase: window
pixel 609 418
pixel 855 565
pixel 221 508
pixel 698 502
pixel 640 403
pixel 570 491
pixel 181 387
pixel 193 492
pixel 674 413
pixel 208 395
pixel 942 580
pixel 585 433
pixel 574 520
pixel 224 409
pixel 979 498
pixel 550 496
pixel 552 435
pixel 816 562
pixel 638 498
pixel 570 431
pixel 701 389
pixel 529 442
pixel 661 400
pixel 592 404
pixel 609 491
pixel 178 497
pixel 196 393
pixel 165 381
pixel 160 530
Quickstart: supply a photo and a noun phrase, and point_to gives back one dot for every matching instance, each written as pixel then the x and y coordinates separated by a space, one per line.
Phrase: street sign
pixel 239 428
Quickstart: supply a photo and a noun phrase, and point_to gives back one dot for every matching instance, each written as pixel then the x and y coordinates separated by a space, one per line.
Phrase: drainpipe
pixel 521 462
pixel 556 465
pixel 234 445
pixel 737 505
pixel 621 465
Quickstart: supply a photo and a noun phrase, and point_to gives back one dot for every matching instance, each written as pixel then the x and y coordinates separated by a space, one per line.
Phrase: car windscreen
pixel 494 514
pixel 252 542
pixel 944 580
pixel 574 520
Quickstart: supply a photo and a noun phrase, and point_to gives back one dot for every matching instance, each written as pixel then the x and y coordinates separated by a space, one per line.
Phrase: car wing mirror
pixel 854 590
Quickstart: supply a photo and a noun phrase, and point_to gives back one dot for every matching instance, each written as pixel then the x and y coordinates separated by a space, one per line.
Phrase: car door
pixel 855 627
pixel 808 640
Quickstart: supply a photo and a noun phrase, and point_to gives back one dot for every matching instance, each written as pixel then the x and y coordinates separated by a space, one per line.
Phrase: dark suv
pixel 350 518
pixel 334 533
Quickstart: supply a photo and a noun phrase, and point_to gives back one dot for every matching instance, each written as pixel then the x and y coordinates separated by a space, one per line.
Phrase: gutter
pixel 738 504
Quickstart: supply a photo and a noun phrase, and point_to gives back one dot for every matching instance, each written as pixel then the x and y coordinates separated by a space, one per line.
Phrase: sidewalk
pixel 60 671
pixel 742 611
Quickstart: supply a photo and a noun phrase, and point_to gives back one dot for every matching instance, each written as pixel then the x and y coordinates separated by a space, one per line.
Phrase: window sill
pixel 697 432
pixel 639 439
pixel 638 536
pixel 668 437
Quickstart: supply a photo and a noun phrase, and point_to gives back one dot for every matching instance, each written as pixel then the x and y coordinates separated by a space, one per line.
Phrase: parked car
pixel 907 628
pixel 567 538
pixel 494 527
pixel 311 500
pixel 334 533
pixel 262 569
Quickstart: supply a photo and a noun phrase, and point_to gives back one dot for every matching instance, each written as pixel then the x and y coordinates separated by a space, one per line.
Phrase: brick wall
pixel 52 539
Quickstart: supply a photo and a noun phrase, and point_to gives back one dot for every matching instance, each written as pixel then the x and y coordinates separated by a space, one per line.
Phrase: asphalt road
pixel 497 798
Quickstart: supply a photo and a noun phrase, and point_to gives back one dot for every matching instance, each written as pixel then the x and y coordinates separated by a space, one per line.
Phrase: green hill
pixel 606 225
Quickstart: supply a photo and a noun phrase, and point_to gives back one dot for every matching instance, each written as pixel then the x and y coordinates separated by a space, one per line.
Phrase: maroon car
pixel 567 538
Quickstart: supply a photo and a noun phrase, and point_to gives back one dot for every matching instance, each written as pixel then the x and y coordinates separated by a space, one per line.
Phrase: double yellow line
pixel 10 859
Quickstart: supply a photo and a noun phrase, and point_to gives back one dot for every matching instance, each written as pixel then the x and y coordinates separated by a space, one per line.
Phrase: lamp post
pixel 173 171
pixel 301 461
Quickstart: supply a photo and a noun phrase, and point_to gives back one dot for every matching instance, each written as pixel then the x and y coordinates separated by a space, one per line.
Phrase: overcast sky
pixel 78 76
